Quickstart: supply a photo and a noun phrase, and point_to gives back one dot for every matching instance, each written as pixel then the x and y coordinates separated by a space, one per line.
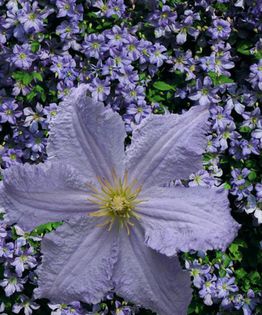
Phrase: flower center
pixel 117 201
pixel 22 56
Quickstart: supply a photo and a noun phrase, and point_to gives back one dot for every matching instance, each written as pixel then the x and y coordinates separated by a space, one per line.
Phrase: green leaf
pixel 235 253
pixel 254 277
pixel 35 46
pixel 244 48
pixel 227 186
pixel 258 54
pixel 252 176
pixel 219 79
pixel 38 76
pixel 245 129
pixel 30 96
pixel 163 86
pixel 158 98
pixel 46 228
pixel 222 273
pixel 226 261
pixel 24 77
pixel 240 273
pixel 223 7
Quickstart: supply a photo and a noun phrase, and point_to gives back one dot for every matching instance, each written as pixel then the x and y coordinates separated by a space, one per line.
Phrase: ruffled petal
pixel 77 264
pixel 87 136
pixel 167 147
pixel 195 218
pixel 36 194
pixel 146 277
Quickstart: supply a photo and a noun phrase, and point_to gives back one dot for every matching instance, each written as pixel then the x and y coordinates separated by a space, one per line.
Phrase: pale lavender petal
pixel 36 194
pixel 87 136
pixel 83 269
pixel 167 147
pixel 178 218
pixel 146 277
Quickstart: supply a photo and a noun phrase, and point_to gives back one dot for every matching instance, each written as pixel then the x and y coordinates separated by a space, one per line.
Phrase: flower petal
pixel 179 218
pixel 146 277
pixel 36 194
pixel 77 265
pixel 167 147
pixel 87 136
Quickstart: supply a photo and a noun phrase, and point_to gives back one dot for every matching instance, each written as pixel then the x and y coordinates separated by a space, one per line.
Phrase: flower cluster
pixel 19 258
pixel 220 289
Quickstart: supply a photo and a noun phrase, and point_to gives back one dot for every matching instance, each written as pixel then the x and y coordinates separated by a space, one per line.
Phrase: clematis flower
pixel 123 226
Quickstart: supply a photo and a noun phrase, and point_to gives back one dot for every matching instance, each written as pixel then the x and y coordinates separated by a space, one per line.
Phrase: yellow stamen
pixel 117 200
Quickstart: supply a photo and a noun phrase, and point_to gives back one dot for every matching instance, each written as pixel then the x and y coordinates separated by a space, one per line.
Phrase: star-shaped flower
pixel 123 224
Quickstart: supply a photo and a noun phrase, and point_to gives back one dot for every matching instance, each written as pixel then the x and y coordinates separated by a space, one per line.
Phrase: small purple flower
pixel 67 30
pixel 185 27
pixel 6 249
pixel 11 283
pixel 99 89
pixel 132 93
pixel 139 112
pixel 50 112
pixel 255 76
pixel 226 286
pixel 254 206
pixel 184 62
pixel 144 47
pixel 259 190
pixel 208 290
pixel 74 308
pixel 257 133
pixel 252 118
pixel 163 18
pixel 221 118
pixel 250 303
pixel 22 56
pixel 198 272
pixel 247 304
pixel 24 260
pixel 239 176
pixel 9 111
pixel 218 63
pixel 92 45
pixel 249 147
pixel 225 135
pixel 27 305
pixel 32 17
pixel 12 156
pixel 36 142
pixel 133 48
pixel 36 118
pixel 220 29
pixel 201 178
pixel 204 93
pixel 117 36
pixel 241 190
pixel 12 24
pixel 156 55
pixel 19 87
pixel 64 66
pixel 66 8
pixel 117 7
pixel 110 7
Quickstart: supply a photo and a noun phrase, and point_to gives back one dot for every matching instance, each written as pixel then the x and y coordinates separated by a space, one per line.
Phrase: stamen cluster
pixel 117 201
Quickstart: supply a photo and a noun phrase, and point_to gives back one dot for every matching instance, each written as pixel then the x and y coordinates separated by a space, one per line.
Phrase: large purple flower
pixel 120 217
